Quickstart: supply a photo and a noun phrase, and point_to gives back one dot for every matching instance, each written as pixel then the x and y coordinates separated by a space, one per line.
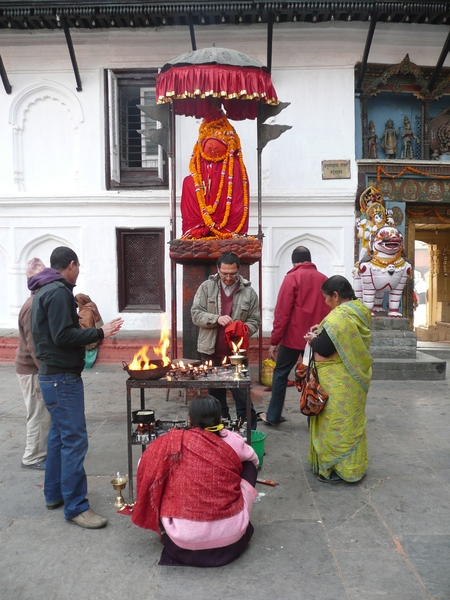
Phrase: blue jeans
pixel 67 442
pixel 286 359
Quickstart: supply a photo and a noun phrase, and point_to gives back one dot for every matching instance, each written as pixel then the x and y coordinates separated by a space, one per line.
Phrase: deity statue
pixel 373 141
pixel 373 216
pixel 389 139
pixel 407 140
pixel 381 267
pixel 215 196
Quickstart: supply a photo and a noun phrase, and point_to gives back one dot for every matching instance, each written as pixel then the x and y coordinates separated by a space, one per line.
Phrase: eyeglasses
pixel 227 275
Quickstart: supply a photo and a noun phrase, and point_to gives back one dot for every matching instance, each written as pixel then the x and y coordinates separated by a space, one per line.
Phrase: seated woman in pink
pixel 195 488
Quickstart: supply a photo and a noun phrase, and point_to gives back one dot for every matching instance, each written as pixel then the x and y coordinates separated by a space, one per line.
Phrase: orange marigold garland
pixel 410 211
pixel 222 130
pixel 405 170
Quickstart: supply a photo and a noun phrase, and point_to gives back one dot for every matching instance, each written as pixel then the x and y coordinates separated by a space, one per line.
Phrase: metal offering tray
pixel 146 433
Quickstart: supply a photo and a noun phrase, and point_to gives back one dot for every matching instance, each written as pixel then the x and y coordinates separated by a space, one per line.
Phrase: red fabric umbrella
pixel 199 80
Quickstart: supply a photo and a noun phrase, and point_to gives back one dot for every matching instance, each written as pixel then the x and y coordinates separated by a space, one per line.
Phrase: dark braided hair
pixel 339 284
pixel 205 411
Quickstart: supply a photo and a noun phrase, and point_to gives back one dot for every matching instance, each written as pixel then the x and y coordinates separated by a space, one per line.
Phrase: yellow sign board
pixel 335 169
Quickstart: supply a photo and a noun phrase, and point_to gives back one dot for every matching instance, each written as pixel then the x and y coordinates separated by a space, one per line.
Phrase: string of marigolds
pixel 383 263
pixel 417 213
pixel 380 171
pixel 222 130
pixel 405 170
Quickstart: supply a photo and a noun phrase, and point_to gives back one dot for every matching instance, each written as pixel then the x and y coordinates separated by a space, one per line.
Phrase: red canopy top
pixel 196 87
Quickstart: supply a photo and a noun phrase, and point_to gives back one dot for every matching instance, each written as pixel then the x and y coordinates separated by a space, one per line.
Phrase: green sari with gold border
pixel 338 433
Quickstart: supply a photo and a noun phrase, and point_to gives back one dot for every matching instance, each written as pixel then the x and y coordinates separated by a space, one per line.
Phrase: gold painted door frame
pixel 436 234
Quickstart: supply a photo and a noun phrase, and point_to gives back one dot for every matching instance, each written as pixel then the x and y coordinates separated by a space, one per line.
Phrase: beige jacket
pixel 206 309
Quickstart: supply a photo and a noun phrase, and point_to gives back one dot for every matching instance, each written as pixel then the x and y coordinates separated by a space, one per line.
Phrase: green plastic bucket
pixel 258 438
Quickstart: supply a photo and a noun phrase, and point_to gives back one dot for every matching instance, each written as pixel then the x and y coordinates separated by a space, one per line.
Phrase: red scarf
pixel 187 474
pixel 234 332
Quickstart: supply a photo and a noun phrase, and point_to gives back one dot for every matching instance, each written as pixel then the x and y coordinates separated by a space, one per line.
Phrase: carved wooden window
pixel 133 161
pixel 140 255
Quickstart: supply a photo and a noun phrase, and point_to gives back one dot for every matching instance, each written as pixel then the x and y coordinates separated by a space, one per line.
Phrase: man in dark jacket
pixel 59 344
pixel 300 305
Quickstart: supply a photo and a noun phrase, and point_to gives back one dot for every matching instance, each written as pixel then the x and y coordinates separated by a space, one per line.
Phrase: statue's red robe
pixel 193 225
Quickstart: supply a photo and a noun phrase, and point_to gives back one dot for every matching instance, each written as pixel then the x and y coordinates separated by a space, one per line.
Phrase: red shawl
pixel 187 474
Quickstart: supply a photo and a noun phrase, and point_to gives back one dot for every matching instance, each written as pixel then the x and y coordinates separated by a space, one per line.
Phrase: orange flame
pixel 164 341
pixel 141 361
pixel 237 346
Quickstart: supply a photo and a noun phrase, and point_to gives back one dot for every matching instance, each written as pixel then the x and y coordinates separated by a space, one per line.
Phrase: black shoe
pixel 333 478
pixel 53 505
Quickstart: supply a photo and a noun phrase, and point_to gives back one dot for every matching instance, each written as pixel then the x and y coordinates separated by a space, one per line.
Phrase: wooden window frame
pixel 121 235
pixel 117 176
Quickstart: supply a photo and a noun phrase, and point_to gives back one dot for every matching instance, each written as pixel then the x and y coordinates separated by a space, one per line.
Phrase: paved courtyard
pixel 385 537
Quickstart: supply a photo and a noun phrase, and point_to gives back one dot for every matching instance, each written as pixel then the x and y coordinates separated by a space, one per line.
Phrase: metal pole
pixel 440 62
pixel 192 33
pixel 260 237
pixel 173 230
pixel 73 58
pixel 269 41
pixel 4 76
pixel 362 69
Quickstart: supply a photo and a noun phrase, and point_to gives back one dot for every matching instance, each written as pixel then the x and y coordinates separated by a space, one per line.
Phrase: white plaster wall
pixel 53 192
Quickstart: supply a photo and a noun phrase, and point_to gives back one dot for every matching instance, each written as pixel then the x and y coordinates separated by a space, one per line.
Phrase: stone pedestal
pixel 394 350
pixel 391 338
pixel 199 258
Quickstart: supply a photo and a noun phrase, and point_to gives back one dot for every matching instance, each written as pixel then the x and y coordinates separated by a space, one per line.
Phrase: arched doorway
pixel 428 233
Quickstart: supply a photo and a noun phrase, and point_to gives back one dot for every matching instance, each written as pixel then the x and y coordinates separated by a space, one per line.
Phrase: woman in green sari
pixel 338 444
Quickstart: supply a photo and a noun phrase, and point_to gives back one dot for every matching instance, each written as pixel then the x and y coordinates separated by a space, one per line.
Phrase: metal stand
pixel 164 384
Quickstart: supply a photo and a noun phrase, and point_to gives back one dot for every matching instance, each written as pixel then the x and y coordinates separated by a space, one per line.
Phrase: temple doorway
pixel 429 243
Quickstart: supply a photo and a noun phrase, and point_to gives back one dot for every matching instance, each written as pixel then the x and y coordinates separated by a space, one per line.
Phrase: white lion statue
pixel 384 269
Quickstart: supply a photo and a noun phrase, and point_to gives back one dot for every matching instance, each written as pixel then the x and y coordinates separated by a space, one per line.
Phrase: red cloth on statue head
pixel 212 148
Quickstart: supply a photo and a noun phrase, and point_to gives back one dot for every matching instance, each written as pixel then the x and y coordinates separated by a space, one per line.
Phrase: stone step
pixel 424 367
pixel 439 349
pixel 393 344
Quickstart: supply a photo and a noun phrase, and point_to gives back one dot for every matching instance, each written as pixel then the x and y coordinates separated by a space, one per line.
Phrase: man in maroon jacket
pixel 300 305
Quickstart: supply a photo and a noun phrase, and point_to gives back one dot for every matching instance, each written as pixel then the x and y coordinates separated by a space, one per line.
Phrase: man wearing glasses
pixel 223 298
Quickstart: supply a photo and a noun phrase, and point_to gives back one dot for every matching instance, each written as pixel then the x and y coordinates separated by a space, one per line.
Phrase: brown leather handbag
pixel 312 395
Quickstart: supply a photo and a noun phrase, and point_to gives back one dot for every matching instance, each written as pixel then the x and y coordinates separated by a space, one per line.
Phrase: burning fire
pixel 164 341
pixel 237 346
pixel 141 361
